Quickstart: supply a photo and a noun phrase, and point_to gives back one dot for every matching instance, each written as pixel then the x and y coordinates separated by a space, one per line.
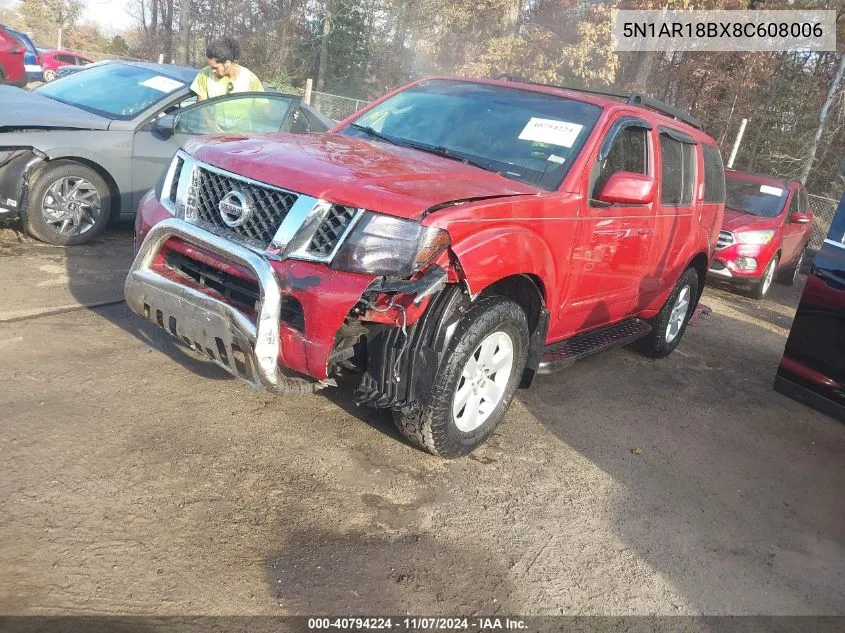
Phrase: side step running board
pixel 562 355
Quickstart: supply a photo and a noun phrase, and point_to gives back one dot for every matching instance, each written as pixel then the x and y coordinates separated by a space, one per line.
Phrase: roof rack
pixel 635 98
pixel 639 99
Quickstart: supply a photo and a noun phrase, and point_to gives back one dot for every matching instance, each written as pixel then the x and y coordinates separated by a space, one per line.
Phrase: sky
pixel 111 15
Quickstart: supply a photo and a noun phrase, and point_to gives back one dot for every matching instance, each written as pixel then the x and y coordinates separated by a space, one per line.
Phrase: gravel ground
pixel 136 479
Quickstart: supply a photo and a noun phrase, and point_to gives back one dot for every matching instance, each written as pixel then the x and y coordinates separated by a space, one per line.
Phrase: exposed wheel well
pixel 526 291
pixel 114 192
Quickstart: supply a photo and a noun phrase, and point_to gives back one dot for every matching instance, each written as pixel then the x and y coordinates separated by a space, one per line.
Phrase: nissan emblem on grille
pixel 235 209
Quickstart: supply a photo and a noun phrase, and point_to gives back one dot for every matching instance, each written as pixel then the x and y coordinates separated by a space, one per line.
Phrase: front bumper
pixel 247 349
pixel 258 348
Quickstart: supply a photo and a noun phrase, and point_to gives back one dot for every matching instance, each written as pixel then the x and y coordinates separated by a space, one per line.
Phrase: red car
pixel 12 64
pixel 766 229
pixel 445 245
pixel 53 60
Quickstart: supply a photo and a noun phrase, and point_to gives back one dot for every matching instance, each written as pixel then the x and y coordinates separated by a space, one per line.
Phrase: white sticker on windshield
pixel 162 84
pixel 554 158
pixel 561 133
pixel 772 191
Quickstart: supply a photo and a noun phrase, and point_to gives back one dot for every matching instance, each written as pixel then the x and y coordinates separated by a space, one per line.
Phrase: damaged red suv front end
pixel 276 274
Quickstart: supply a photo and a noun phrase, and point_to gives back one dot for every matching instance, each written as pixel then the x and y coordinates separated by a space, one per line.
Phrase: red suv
pixel 766 229
pixel 12 66
pixel 443 246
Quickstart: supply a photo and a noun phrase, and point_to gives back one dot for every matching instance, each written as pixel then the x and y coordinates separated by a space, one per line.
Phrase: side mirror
pixel 625 187
pixel 801 218
pixel 166 125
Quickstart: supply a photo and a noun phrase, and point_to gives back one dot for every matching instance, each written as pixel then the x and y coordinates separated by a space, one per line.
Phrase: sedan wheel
pixel 71 206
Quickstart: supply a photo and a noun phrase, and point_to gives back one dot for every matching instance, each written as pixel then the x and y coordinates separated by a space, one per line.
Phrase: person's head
pixel 222 55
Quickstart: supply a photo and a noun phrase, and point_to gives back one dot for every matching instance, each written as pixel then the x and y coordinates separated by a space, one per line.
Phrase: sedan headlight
pixel 388 246
pixel 755 237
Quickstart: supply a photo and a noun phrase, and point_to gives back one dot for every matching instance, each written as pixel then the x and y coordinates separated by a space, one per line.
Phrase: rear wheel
pixel 69 204
pixel 475 383
pixel 790 275
pixel 668 327
pixel 761 288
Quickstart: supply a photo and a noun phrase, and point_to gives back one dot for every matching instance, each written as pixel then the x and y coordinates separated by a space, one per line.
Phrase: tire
pixel 790 275
pixel 49 75
pixel 762 287
pixel 86 208
pixel 668 327
pixel 2 76
pixel 493 327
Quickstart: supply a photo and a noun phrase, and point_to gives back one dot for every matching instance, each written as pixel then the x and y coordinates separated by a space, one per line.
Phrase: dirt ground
pixel 137 479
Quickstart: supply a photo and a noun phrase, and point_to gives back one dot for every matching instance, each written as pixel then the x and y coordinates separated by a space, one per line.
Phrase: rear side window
pixel 678 171
pixel 714 175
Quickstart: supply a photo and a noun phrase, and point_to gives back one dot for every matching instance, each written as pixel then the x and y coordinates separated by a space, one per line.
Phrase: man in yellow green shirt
pixel 224 76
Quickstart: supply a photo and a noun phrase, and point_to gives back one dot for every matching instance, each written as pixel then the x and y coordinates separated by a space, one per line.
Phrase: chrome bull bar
pixel 245 349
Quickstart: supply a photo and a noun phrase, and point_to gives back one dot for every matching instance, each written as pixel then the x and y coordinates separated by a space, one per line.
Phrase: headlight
pixel 388 246
pixel 755 237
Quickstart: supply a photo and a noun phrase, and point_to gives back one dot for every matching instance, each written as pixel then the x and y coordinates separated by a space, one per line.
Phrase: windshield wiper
pixel 375 134
pixel 445 152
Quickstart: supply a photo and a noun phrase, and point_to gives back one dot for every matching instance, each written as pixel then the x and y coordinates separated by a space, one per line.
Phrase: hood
pixel 24 108
pixel 356 172
pixel 739 220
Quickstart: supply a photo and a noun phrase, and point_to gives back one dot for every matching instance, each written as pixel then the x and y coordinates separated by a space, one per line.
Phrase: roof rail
pixel 639 99
pixel 635 98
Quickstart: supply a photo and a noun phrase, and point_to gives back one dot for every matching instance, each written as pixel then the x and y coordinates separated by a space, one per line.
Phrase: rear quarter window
pixel 714 175
pixel 677 171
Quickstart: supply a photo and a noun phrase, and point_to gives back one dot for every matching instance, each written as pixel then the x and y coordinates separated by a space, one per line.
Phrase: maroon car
pixel 766 228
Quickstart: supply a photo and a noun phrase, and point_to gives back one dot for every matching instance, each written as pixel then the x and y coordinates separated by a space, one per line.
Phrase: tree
pixel 46 19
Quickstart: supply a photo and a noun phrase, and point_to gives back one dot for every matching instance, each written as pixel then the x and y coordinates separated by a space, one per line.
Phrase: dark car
pixel 12 54
pixel 83 149
pixel 812 369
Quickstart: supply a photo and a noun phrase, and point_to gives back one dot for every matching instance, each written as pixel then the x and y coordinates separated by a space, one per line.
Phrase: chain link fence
pixel 823 209
pixel 335 106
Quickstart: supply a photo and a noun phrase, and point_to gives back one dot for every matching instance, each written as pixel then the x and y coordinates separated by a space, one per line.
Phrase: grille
pixel 240 292
pixel 269 206
pixel 174 184
pixel 726 238
pixel 331 230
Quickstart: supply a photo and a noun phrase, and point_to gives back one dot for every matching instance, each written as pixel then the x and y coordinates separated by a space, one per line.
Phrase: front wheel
pixel 69 204
pixel 49 75
pixel 761 288
pixel 475 383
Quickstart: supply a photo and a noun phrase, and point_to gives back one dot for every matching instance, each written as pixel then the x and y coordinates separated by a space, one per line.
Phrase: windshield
pixel 115 91
pixel 765 201
pixel 524 135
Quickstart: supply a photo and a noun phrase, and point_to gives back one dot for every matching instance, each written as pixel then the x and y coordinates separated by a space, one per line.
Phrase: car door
pixel 613 241
pixel 793 232
pixel 244 113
